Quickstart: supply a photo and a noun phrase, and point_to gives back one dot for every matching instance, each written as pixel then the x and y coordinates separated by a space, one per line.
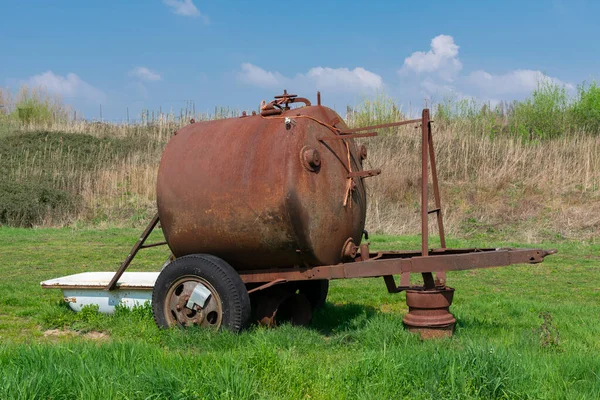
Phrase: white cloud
pixel 438 73
pixel 358 78
pixel 185 8
pixel 442 59
pixel 145 74
pixel 517 81
pixel 335 79
pixel 257 76
pixel 70 87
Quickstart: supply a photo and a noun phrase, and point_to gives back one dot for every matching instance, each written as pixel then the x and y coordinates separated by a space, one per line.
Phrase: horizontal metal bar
pixel 416 253
pixel 434 210
pixel 364 174
pixel 381 126
pixel 145 246
pixel 348 136
pixel 444 261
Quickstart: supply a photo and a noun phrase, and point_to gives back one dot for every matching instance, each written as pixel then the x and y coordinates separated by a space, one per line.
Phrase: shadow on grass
pixel 329 320
pixel 489 326
pixel 334 318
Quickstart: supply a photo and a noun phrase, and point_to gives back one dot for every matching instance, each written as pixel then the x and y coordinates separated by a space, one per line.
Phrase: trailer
pixel 250 210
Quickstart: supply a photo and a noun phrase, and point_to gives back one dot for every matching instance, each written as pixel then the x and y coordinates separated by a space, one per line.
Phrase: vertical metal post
pixel 428 282
pixel 424 183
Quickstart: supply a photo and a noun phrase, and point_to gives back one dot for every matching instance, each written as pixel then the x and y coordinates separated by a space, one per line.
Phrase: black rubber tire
pixel 226 281
pixel 315 291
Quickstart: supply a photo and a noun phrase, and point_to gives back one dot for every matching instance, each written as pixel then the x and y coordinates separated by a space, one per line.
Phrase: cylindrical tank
pixel 263 191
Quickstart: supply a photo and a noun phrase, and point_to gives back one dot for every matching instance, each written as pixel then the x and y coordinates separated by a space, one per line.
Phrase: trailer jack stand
pixel 429 312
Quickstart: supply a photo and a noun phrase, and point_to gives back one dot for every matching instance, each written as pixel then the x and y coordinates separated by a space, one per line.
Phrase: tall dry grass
pixel 498 185
pixel 502 185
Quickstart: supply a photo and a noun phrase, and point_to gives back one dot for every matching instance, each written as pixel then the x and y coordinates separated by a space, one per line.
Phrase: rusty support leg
pixel 428 281
pixel 136 247
pixel 440 275
pixel 390 284
pixel 424 182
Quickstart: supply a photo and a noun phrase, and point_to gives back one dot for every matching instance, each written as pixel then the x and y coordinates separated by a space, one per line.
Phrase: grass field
pixel 356 346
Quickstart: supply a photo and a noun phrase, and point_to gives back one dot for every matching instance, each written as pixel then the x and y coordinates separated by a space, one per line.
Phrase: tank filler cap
pixel 285 95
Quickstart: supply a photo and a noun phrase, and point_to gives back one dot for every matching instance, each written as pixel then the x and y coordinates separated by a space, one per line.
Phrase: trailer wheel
pixel 200 290
pixel 315 291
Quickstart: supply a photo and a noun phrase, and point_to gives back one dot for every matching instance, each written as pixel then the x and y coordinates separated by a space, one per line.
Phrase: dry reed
pixel 525 191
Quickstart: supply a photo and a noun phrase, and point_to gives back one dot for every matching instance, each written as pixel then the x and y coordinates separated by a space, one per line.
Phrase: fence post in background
pixel 127 115
pixel 100 112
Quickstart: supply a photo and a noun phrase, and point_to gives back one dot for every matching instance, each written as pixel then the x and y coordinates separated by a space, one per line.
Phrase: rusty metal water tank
pixel 278 189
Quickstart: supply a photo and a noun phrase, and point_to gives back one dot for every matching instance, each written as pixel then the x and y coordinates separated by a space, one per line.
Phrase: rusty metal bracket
pixel 364 174
pixel 147 246
pixel 134 250
pixel 267 285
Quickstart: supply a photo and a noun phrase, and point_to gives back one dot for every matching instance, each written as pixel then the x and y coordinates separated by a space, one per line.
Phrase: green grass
pixel 356 346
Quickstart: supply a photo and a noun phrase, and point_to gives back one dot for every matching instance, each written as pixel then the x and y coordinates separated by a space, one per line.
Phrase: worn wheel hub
pixel 192 301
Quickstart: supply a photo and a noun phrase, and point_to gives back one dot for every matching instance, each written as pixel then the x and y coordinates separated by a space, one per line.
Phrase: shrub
pixel 381 110
pixel 474 117
pixel 543 115
pixel 452 108
pixel 586 110
pixel 28 204
pixel 37 106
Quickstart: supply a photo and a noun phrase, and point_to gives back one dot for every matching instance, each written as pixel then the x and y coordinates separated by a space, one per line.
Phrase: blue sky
pixel 160 54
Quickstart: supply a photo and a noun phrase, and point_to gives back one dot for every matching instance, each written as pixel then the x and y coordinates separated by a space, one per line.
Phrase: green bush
pixel 79 150
pixel 27 204
pixel 586 110
pixel 476 118
pixel 37 106
pixel 544 115
pixel 452 108
pixel 381 110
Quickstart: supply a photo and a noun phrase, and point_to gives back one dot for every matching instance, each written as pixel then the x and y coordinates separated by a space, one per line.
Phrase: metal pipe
pixel 381 126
